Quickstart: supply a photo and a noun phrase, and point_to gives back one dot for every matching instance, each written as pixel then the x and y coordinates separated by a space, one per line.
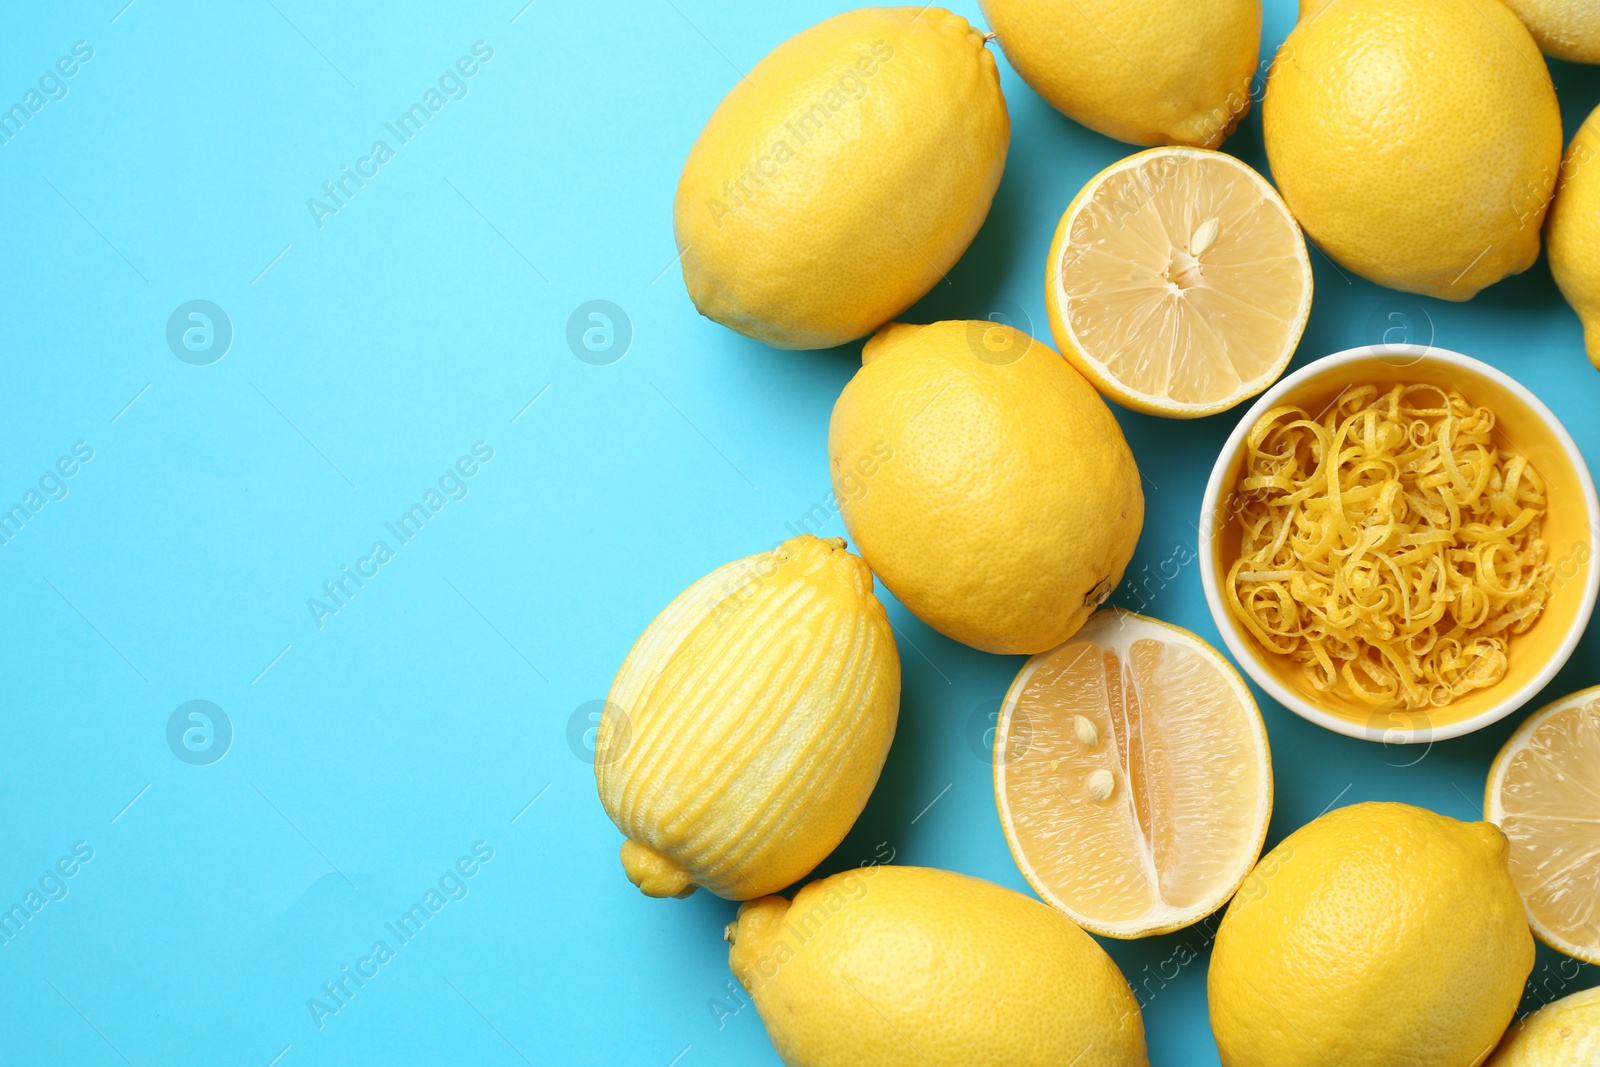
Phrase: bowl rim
pixel 1247 657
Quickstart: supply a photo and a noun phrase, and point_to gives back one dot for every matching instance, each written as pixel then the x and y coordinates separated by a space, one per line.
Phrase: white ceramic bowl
pixel 1571 527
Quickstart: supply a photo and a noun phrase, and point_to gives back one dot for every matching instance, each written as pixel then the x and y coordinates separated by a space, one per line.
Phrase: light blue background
pixel 429 712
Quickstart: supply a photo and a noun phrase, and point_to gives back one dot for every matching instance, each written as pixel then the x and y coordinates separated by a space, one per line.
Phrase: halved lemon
pixel 1133 777
pixel 1178 282
pixel 1544 792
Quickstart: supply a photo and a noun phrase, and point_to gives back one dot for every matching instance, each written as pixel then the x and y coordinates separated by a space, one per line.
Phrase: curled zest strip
pixel 1391 548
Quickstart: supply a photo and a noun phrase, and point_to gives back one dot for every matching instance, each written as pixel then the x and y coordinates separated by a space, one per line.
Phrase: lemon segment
pixel 1178 282
pixel 1544 793
pixel 1133 776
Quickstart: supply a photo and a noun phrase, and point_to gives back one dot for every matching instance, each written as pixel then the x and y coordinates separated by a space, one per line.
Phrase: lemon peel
pixel 1391 547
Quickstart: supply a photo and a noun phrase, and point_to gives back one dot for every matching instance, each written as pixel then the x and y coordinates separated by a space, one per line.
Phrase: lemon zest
pixel 1390 546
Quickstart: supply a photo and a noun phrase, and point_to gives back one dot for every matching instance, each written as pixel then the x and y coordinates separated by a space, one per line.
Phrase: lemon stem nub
pixel 653 873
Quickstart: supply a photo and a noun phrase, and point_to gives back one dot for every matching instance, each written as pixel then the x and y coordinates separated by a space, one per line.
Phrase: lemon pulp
pixel 1133 776
pixel 1544 793
pixel 1179 282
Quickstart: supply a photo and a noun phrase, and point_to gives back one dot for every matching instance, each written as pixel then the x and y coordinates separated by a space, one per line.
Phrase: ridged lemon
pixel 1377 935
pixel 1147 72
pixel 1563 1034
pixel 1133 777
pixel 1544 792
pixel 843 176
pixel 1573 231
pixel 912 967
pixel 1417 141
pixel 985 481
pixel 749 723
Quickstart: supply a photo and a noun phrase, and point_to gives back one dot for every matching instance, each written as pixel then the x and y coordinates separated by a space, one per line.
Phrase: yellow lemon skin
pixel 913 967
pixel 842 177
pixel 1566 29
pixel 1573 231
pixel 1416 141
pixel 1148 72
pixel 749 723
pixel 1563 1034
pixel 985 482
pixel 1379 934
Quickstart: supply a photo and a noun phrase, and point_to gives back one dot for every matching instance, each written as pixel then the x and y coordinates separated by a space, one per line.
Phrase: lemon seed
pixel 1087 734
pixel 1100 785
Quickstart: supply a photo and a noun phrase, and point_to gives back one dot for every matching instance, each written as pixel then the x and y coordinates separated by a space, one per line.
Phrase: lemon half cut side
pixel 1178 282
pixel 1133 776
pixel 1544 794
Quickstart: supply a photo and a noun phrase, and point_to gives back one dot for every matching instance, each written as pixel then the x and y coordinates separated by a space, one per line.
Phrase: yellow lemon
pixel 1379 934
pixel 1566 29
pixel 985 481
pixel 1544 792
pixel 1417 141
pixel 749 723
pixel 1147 72
pixel 1133 777
pixel 1563 1034
pixel 1573 231
pixel 1178 282
pixel 912 967
pixel 842 177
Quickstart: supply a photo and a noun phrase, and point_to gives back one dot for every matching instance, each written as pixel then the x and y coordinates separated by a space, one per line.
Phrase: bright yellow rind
pixel 1178 282
pixel 1184 776
pixel 1416 141
pixel 985 482
pixel 1565 29
pixel 887 966
pixel 1142 71
pixel 1542 793
pixel 1379 934
pixel 842 177
pixel 1390 546
pixel 1573 231
pixel 1565 1033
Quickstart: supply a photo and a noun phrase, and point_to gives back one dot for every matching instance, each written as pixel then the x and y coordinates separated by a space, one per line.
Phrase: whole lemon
pixel 912 967
pixel 1573 231
pixel 749 723
pixel 1566 29
pixel 1563 1034
pixel 842 177
pixel 1149 72
pixel 985 481
pixel 1380 934
pixel 1416 141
